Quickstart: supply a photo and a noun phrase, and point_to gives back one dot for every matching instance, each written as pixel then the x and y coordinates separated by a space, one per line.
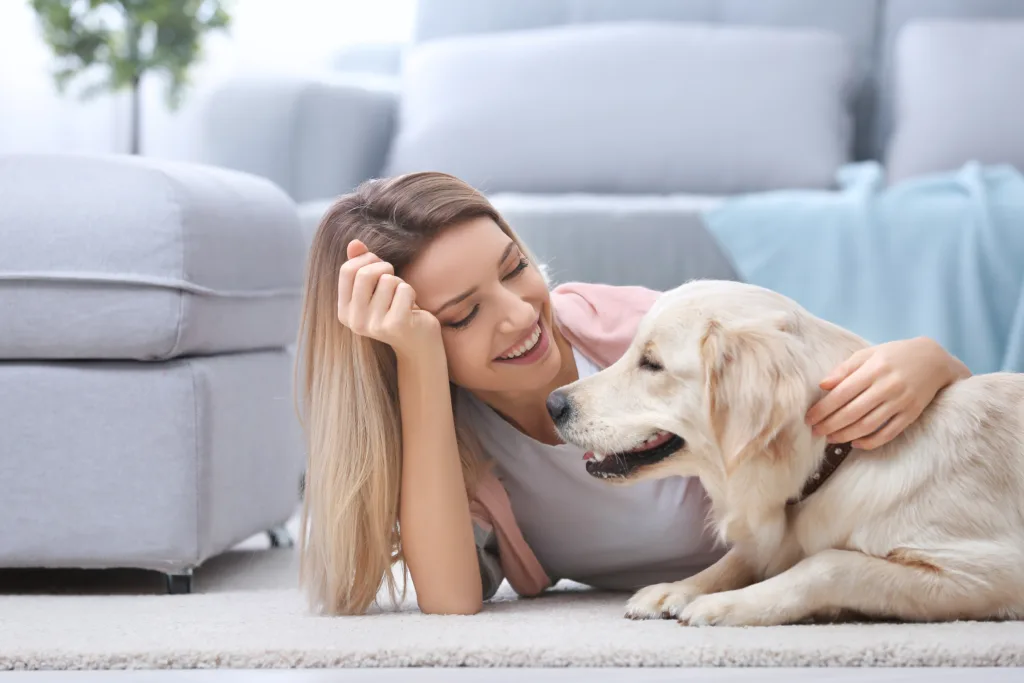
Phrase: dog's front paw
pixel 731 608
pixel 661 601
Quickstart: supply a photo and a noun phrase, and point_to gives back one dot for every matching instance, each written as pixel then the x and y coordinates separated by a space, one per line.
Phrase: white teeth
pixel 655 437
pixel 525 346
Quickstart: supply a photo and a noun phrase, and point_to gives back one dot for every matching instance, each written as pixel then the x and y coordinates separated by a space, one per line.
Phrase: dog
pixel 716 384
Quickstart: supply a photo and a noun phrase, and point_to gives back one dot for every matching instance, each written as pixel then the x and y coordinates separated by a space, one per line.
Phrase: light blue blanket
pixel 940 256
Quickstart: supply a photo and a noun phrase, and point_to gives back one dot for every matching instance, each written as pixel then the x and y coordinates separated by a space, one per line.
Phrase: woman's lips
pixel 536 352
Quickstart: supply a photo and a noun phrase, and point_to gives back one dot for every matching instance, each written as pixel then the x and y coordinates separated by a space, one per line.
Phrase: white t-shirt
pixel 588 530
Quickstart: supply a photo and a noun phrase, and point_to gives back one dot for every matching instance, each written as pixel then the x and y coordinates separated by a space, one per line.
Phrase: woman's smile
pixel 530 349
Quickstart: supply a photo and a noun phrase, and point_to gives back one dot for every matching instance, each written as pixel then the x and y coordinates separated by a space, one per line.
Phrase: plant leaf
pixel 125 39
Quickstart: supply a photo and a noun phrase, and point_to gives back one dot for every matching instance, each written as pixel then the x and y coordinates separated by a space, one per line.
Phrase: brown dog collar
pixel 835 454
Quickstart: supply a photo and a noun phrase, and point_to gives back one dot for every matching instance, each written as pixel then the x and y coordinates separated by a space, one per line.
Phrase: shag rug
pixel 248 613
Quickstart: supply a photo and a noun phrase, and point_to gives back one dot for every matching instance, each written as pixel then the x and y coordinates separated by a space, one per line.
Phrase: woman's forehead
pixel 459 257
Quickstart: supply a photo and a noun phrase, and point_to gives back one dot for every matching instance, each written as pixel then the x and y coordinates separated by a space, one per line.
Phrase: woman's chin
pixel 537 375
pixel 524 378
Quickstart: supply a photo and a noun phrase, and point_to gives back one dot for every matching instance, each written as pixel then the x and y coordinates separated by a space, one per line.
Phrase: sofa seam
pixel 179 284
pixel 197 460
pixel 176 203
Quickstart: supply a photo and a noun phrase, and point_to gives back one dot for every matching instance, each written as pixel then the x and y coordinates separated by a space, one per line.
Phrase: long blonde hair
pixel 347 391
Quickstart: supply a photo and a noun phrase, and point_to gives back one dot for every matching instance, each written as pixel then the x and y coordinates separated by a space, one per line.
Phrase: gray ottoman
pixel 146 315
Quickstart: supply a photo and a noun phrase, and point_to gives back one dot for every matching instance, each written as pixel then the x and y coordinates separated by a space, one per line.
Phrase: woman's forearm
pixel 436 527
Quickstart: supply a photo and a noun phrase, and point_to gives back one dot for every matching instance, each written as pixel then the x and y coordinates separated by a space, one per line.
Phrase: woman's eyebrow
pixel 459 299
pixel 469 292
pixel 508 250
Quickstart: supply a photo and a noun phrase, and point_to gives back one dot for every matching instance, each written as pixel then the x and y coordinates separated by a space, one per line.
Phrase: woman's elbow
pixel 463 607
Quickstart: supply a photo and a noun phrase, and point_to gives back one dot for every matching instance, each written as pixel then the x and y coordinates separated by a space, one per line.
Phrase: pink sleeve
pixel 491 509
pixel 601 320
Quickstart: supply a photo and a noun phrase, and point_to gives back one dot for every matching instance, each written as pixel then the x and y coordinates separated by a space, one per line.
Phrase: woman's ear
pixel 753 389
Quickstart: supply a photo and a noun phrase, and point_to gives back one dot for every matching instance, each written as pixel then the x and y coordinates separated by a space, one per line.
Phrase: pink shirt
pixel 599 321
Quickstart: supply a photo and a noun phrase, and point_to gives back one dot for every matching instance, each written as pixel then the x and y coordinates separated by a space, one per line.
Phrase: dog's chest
pixel 864 508
pixel 813 535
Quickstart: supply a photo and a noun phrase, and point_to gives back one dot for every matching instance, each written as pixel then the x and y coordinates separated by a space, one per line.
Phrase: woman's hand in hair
pixel 373 302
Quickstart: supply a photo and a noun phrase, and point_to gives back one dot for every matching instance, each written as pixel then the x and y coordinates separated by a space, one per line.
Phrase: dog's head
pixel 718 375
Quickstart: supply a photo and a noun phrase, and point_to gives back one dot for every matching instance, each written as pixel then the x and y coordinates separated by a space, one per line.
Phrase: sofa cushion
pixel 629 108
pixel 150 465
pixel 122 257
pixel 658 242
pixel 954 98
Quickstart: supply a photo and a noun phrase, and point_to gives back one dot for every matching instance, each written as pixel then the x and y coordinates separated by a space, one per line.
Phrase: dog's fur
pixel 927 527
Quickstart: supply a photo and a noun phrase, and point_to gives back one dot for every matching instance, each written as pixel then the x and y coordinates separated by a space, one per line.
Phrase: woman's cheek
pixel 461 359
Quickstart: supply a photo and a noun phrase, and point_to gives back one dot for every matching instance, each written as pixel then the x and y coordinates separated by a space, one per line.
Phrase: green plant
pixel 118 42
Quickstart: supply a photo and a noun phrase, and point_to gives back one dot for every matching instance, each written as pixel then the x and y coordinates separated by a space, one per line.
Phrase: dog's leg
pixel 834 581
pixel 666 600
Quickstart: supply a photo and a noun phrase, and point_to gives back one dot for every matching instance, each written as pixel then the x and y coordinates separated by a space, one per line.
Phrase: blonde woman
pixel 429 344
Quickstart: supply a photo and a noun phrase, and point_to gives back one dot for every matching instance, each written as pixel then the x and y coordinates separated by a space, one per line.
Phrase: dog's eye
pixel 647 364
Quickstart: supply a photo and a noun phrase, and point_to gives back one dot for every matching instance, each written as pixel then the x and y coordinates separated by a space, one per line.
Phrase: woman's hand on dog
pixel 373 302
pixel 879 391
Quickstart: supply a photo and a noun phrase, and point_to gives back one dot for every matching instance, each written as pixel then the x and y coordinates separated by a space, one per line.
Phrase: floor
pixel 531 675
pixel 512 675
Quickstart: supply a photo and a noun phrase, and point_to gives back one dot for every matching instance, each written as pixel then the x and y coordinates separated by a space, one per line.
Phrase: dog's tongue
pixel 662 438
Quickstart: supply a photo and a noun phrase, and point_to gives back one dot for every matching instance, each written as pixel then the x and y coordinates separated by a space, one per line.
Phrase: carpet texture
pixel 247 613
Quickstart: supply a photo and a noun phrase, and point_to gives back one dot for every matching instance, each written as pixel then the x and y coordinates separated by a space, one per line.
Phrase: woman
pixel 425 411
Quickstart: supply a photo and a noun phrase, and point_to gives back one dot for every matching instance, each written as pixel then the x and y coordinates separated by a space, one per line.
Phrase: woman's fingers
pixel 405 299
pixel 850 412
pixel 366 282
pixel 380 303
pixel 355 248
pixel 346 281
pixel 897 424
pixel 821 415
pixel 866 425
pixel 843 370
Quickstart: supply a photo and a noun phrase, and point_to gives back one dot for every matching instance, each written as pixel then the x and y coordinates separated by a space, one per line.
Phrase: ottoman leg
pixel 180 584
pixel 280 538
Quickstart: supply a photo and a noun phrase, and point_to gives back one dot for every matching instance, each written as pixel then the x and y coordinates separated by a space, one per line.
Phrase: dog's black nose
pixel 558 406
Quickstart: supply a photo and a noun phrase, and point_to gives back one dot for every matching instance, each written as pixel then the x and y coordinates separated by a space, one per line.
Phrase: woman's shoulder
pixel 601 320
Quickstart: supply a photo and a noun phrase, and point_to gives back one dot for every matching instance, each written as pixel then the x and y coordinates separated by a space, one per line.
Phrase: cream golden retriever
pixel 716 385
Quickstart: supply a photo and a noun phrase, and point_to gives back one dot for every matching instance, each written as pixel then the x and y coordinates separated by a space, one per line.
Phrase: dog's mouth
pixel 654 449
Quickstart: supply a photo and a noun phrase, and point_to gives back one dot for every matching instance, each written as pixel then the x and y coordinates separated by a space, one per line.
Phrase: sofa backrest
pixel 869 26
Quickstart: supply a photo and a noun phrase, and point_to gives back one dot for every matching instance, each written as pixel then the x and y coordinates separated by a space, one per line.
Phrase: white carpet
pixel 246 613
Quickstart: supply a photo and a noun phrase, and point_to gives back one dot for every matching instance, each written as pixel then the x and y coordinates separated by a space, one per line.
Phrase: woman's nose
pixel 520 314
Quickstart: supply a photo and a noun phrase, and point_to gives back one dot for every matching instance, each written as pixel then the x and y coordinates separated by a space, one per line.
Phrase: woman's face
pixel 493 306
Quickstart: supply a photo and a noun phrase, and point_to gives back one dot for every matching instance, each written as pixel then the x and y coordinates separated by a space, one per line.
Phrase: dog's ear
pixel 753 388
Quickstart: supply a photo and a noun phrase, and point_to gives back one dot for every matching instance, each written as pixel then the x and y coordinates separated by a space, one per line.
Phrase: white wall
pixel 32 117
pixel 300 34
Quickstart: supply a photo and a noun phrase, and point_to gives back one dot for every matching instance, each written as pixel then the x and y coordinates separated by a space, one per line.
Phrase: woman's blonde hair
pixel 347 391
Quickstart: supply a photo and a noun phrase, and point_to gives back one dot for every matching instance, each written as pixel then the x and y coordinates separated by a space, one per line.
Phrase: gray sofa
pixel 598 137
pixel 146 313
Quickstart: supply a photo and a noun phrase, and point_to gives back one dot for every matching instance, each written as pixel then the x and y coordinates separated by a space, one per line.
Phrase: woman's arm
pixel 879 391
pixel 437 530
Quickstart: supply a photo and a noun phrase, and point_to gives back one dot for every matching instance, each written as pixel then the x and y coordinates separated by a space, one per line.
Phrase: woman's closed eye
pixel 460 324
pixel 464 322
pixel 520 267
